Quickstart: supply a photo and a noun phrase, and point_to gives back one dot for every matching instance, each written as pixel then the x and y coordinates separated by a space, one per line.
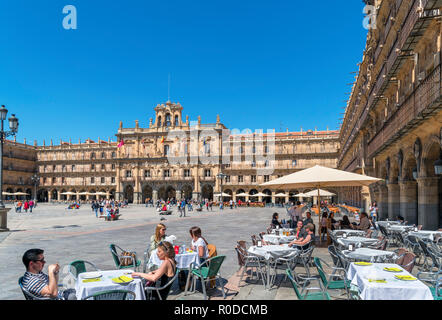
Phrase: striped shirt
pixel 35 282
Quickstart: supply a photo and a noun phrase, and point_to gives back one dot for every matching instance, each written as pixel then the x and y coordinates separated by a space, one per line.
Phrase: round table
pixel 183 260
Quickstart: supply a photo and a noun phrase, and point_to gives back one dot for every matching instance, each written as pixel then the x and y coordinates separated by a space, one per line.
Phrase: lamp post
pixel 13 126
pixel 35 179
pixel 221 176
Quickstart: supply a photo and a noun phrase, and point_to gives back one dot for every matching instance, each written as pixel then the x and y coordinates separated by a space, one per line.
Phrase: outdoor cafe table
pixel 391 289
pixel 282 230
pixel 399 228
pixel 349 232
pixel 84 289
pixel 183 260
pixel 271 252
pixel 356 240
pixel 386 223
pixel 367 254
pixel 426 234
pixel 272 238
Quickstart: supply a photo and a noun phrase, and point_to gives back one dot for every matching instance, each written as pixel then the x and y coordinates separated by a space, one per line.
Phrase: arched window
pixel 93 155
pixel 114 154
pixel 103 155
pixel 167 122
pixel 176 121
pixel 166 150
pixel 159 121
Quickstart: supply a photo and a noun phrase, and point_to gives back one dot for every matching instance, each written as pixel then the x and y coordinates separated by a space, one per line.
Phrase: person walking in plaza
pixel 374 211
pixel 211 205
pixel 31 205
pixel 26 206
pixel 19 205
pixel 183 207
pixel 231 204
pixel 40 284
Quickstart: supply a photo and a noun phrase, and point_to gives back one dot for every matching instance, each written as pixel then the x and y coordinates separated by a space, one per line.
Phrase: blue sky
pixel 259 64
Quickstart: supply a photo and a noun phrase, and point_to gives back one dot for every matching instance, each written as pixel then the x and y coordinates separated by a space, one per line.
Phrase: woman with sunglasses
pixel 160 235
pixel 165 272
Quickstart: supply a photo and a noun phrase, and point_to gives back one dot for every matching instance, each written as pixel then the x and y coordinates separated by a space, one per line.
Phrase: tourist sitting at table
pixel 364 224
pixel 304 243
pixel 331 220
pixel 199 244
pixel 160 235
pixel 40 284
pixel 309 220
pixel 164 273
pixel 300 232
pixel 401 219
pixel 275 221
pixel 345 223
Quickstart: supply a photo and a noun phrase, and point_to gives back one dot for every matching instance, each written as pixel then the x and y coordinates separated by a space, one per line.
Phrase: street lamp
pixel 13 125
pixel 221 176
pixel 35 179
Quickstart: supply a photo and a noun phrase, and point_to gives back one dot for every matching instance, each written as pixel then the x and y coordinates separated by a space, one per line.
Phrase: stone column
pixel 154 196
pixel 273 197
pixel 4 219
pixel 393 201
pixel 58 196
pixel 178 195
pixel 366 199
pixel 383 202
pixel 408 201
pixel 287 198
pixel 428 202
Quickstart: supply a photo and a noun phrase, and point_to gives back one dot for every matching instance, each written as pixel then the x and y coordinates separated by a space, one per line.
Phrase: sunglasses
pixel 41 260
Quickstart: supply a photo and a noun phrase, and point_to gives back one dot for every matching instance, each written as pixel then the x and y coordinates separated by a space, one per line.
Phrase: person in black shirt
pixel 275 221
pixel 345 223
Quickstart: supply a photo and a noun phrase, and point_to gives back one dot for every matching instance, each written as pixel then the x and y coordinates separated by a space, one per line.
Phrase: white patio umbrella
pixel 320 177
pixel 222 195
pixel 322 193
pixel 99 193
pixel 20 194
pixel 242 194
pixel 281 195
pixel 69 193
pixel 301 195
pixel 7 193
pixel 260 194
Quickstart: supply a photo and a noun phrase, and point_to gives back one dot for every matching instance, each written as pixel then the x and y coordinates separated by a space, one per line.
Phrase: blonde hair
pixel 157 231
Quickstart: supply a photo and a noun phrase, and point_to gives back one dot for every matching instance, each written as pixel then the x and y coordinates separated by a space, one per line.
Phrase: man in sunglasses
pixel 41 284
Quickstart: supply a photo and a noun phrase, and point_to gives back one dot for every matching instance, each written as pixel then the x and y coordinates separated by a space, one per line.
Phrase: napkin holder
pixel 259 245
pixel 350 247
pixel 344 235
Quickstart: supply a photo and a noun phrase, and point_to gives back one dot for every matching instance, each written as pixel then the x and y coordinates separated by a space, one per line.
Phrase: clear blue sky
pixel 259 64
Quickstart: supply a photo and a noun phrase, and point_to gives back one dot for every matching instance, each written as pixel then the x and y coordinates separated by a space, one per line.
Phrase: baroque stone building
pixel 176 158
pixel 392 125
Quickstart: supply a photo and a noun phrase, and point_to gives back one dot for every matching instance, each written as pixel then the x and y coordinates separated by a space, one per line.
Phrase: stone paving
pixel 68 235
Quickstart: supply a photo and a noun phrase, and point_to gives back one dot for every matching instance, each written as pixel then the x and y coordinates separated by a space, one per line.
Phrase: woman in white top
pixel 199 244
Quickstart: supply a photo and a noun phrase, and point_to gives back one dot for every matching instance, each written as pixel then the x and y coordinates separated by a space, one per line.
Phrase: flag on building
pixel 162 139
pixel 121 143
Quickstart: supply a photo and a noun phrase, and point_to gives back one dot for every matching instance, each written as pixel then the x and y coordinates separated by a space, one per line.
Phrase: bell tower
pixel 168 115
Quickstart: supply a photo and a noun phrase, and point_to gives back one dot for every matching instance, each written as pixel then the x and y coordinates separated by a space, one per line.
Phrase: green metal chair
pixel 331 282
pixel 30 296
pixel 321 295
pixel 434 280
pixel 208 270
pixel 162 292
pixel 112 295
pixel 117 258
pixel 79 266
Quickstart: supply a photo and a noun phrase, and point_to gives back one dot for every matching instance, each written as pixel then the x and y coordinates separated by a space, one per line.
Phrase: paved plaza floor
pixel 68 235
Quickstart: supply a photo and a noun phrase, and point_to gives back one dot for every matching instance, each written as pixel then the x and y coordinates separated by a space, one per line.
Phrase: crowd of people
pixel 25 205
pixel 42 285
pixel 109 208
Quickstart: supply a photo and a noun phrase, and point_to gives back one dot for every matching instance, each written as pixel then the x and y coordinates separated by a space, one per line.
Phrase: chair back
pixel 321 271
pixel 423 246
pixel 164 292
pixel 254 240
pixel 214 265
pixel 114 253
pixel 408 261
pixel 28 295
pixel 112 295
pixel 294 284
pixel 335 258
pixel 401 254
pixel 241 252
pixel 76 267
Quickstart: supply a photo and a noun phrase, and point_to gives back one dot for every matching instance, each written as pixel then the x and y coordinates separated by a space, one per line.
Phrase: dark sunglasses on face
pixel 40 260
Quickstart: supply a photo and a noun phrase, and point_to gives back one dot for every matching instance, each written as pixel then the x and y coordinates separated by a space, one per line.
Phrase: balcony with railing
pixel 425 98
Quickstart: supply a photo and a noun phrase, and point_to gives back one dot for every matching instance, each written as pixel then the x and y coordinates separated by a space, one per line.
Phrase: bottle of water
pixel 183 249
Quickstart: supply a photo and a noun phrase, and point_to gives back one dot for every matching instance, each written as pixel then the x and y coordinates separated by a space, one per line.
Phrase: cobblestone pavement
pixel 68 235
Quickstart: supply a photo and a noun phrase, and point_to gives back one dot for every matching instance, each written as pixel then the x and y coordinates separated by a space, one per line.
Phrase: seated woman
pixel 300 232
pixel 160 235
pixel 108 211
pixel 164 273
pixel 275 221
pixel 199 244
pixel 304 243
pixel 345 223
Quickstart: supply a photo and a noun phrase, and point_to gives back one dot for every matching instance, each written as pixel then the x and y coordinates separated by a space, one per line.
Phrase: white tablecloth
pixel 400 228
pixel 348 232
pixel 356 240
pixel 393 289
pixel 367 254
pixel 386 223
pixel 183 260
pixel 84 289
pixel 425 234
pixel 271 238
pixel 272 251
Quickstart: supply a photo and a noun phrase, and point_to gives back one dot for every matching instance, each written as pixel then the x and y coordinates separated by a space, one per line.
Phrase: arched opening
pixel 29 194
pixel 280 200
pixel 207 192
pixel 168 120
pixel 112 194
pixel 252 198
pixel 268 198
pixel 9 197
pixel 159 121
pixel 42 195
pixel 187 192
pixel 93 197
pixel 54 195
pixel 176 121
pixel 242 199
pixel 292 197
pixel 63 197
pixel 432 188
pixel 227 199
pixel 147 193
pixel 129 194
